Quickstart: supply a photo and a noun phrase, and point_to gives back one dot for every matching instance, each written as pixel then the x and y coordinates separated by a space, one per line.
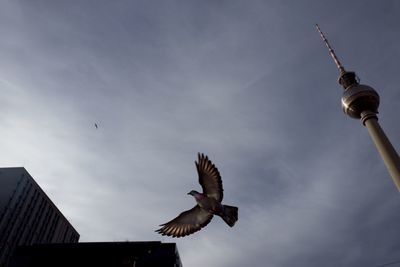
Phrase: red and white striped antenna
pixel 331 52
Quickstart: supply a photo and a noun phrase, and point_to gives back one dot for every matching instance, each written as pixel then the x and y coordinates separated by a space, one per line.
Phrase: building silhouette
pixel 99 254
pixel 27 215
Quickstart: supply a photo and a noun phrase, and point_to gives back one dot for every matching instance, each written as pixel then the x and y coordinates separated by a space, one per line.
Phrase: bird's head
pixel 193 193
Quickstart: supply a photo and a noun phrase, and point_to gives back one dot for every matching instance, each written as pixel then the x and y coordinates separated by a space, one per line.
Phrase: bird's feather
pixel 186 223
pixel 209 178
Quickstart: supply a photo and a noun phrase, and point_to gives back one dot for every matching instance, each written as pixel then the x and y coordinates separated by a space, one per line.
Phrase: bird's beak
pixel 188 193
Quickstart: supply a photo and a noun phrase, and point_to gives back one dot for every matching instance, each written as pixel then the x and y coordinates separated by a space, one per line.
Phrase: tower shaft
pixel 382 143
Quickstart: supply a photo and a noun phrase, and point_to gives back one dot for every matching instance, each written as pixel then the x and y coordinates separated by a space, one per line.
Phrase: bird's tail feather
pixel 230 215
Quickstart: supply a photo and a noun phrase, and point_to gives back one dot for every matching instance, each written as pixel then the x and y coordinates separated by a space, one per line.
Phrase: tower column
pixel 382 143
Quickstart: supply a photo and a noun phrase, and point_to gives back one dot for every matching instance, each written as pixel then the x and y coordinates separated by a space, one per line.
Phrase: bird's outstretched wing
pixel 209 178
pixel 186 223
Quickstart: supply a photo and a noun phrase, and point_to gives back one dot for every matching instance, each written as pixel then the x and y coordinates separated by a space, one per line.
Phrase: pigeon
pixel 208 204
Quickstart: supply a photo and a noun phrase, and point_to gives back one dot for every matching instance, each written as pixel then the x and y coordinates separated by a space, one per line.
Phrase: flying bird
pixel 208 204
pixel 96 126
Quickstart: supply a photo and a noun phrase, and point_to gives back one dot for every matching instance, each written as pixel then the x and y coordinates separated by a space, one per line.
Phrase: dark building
pixel 110 254
pixel 27 215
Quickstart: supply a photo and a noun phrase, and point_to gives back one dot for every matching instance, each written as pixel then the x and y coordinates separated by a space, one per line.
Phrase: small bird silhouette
pixel 208 204
pixel 95 125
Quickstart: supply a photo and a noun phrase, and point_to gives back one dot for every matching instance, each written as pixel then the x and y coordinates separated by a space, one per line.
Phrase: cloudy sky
pixel 249 83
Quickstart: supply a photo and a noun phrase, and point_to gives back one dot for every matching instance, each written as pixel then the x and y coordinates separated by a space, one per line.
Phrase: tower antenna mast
pixel 331 51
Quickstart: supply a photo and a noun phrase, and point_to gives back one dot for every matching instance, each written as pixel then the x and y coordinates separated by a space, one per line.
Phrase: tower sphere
pixel 358 98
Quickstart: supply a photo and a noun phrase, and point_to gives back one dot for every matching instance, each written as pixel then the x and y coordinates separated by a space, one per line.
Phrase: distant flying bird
pixel 208 204
pixel 95 125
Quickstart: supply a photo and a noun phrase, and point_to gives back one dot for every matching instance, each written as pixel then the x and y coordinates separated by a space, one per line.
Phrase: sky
pixel 248 83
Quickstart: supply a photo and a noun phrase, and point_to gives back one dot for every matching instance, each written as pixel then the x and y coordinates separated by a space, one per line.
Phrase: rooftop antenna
pixel 361 101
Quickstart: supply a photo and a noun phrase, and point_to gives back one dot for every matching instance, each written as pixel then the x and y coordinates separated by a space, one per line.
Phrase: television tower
pixel 361 102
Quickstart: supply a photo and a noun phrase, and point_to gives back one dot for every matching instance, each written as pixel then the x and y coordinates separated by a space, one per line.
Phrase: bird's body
pixel 208 204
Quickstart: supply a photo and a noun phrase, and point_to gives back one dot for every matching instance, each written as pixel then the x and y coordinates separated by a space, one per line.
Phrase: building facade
pixel 99 254
pixel 27 215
